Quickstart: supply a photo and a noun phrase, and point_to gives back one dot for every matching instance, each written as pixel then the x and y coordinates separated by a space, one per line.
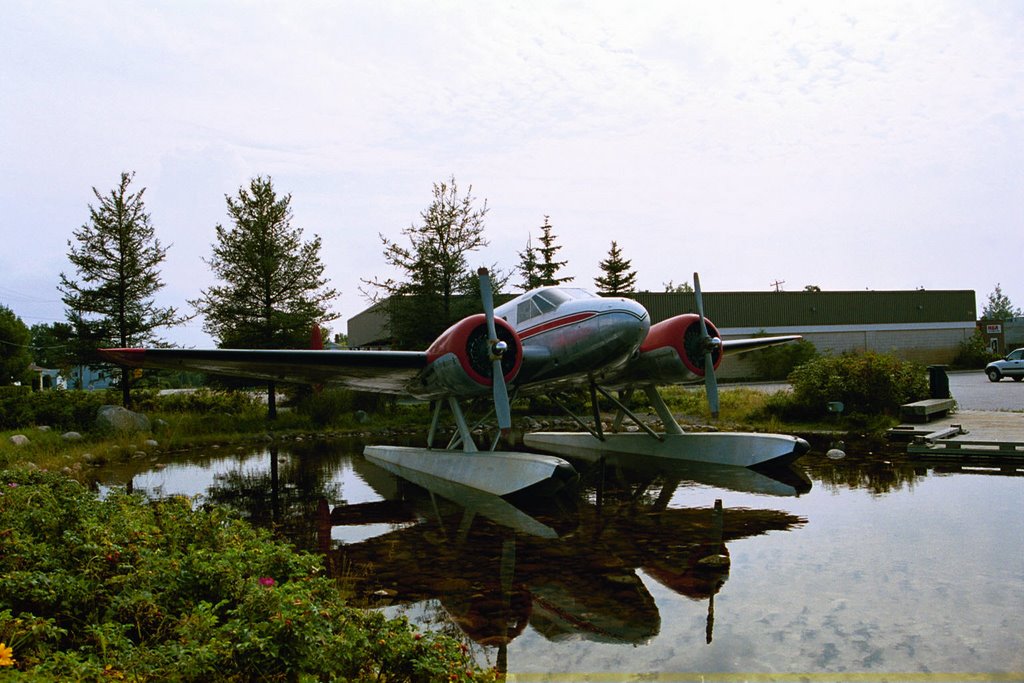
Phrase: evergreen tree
pixel 15 354
pixel 437 286
pixel 528 267
pixel 547 266
pixel 999 306
pixel 117 259
pixel 272 288
pixel 618 278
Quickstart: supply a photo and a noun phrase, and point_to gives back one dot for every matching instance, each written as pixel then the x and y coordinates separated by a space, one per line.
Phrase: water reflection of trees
pixel 283 497
pixel 878 467
pixel 276 487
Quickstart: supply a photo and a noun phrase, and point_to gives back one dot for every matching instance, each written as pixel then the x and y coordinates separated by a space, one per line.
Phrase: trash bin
pixel 938 381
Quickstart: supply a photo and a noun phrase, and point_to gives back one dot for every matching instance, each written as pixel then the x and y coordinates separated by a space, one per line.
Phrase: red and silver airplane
pixel 543 341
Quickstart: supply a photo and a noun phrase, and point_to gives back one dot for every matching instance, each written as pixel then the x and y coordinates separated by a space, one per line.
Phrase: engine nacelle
pixel 460 359
pixel 672 352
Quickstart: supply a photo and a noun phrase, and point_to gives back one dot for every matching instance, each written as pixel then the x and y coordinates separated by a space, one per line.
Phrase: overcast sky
pixel 854 145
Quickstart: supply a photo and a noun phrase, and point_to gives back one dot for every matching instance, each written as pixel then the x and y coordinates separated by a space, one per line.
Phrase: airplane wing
pixel 386 372
pixel 731 347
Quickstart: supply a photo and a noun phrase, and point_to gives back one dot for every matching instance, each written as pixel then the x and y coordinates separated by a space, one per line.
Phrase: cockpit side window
pixel 526 310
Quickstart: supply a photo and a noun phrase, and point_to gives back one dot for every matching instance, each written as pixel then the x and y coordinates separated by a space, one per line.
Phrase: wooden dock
pixel 959 448
pixel 977 437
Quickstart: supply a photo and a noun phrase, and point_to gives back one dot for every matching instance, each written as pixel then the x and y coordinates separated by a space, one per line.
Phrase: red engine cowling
pixel 672 351
pixel 460 362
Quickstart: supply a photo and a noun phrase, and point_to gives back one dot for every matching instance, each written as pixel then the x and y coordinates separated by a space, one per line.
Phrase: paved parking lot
pixel 973 391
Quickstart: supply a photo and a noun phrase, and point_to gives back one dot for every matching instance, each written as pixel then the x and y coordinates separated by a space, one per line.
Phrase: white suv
pixel 1011 366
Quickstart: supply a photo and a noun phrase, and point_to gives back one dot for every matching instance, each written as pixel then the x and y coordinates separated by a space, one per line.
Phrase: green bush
pixel 867 383
pixel 199 401
pixel 14 407
pixel 72 409
pixel 973 353
pixel 777 362
pixel 123 588
pixel 325 407
pixel 58 408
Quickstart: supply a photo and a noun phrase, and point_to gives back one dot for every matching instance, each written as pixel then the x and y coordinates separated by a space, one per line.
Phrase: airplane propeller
pixel 710 345
pixel 497 350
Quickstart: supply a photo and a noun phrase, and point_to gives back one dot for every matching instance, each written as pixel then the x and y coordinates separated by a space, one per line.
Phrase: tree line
pixel 270 288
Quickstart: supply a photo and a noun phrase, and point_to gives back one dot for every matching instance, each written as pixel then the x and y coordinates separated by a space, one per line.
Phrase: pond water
pixel 870 567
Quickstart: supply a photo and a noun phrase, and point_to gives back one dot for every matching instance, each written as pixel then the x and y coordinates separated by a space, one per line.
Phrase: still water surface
pixel 867 565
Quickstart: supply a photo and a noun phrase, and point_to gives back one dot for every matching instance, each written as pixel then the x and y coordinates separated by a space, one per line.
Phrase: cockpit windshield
pixel 559 295
pixel 547 300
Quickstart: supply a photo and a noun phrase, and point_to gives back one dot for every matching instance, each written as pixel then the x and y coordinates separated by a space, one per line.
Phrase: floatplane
pixel 544 341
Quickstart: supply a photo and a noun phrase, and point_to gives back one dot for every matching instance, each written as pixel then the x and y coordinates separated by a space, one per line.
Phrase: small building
pixel 1003 336
pixel 369 329
pixel 46 378
pixel 89 378
pixel 1014 334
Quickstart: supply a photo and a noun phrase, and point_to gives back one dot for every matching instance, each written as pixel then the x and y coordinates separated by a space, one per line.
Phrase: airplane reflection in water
pixel 568 569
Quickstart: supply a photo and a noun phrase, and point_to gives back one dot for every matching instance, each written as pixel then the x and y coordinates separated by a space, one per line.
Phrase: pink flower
pixel 267 581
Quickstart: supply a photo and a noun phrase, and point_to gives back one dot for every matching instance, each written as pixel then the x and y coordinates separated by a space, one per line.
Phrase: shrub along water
pixel 867 384
pixel 125 588
pixel 21 407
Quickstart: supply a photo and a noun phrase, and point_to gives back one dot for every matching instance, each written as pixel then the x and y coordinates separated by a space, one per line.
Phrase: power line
pixel 32 346
pixel 13 293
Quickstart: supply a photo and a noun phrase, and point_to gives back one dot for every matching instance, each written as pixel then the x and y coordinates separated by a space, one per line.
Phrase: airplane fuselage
pixel 568 333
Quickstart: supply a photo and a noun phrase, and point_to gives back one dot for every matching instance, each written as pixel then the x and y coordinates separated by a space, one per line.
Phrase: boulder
pixel 19 440
pixel 71 436
pixel 120 419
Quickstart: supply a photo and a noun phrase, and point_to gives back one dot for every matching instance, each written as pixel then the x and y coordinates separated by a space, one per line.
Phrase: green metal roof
pixel 804 309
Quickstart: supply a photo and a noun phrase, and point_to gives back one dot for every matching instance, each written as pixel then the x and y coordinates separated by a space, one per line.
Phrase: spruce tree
pixel 547 266
pixel 618 278
pixel 528 267
pixel 117 260
pixel 272 288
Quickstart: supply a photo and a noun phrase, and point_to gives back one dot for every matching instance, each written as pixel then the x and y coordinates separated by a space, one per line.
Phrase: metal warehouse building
pixel 925 326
